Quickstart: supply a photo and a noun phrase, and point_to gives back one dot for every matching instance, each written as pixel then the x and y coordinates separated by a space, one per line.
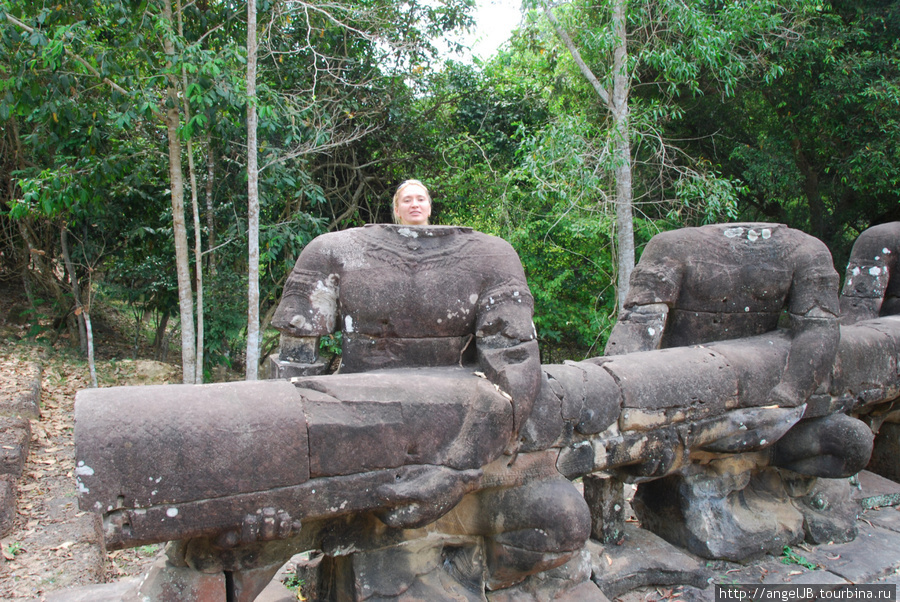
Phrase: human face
pixel 413 206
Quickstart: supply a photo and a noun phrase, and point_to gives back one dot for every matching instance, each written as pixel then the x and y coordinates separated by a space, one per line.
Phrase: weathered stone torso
pixel 731 280
pixel 407 296
pixel 869 288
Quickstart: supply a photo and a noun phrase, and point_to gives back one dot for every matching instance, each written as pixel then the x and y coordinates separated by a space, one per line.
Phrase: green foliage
pixel 12 550
pixel 788 556
pixel 818 146
pixel 294 582
pixel 225 307
pixel 787 111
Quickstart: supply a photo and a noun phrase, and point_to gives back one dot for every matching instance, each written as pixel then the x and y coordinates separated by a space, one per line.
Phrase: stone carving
pixel 869 287
pixel 871 290
pixel 721 282
pixel 727 281
pixel 407 447
pixel 450 479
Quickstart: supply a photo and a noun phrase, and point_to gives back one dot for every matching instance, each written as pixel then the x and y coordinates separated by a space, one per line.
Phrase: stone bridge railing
pixel 245 462
pixel 415 483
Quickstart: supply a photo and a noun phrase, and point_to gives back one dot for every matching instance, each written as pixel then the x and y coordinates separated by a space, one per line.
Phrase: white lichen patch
pixel 752 235
pixel 348 323
pixel 338 508
pixel 875 271
pixel 323 299
pixel 83 470
pixel 766 233
pixel 81 487
pixel 409 233
pixel 473 298
pixel 734 232
pixel 172 512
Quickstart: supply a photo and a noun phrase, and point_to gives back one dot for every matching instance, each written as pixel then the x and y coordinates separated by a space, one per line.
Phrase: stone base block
pixel 570 582
pixel 8 492
pixel 15 441
pixel 643 559
pixel 886 451
pixel 166 583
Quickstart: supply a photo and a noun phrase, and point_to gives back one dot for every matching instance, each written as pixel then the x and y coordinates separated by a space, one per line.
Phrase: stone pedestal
pixel 606 499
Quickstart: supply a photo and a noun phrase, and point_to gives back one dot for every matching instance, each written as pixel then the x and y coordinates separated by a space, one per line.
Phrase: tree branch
pixel 91 69
pixel 576 56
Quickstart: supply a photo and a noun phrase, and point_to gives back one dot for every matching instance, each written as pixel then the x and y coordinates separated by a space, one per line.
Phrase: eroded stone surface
pixel 419 484
pixel 870 289
pixel 643 559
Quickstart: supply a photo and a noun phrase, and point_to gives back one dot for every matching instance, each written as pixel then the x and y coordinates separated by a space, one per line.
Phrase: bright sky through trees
pixel 494 22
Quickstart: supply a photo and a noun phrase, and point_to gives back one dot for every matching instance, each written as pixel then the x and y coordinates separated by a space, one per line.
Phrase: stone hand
pixel 422 494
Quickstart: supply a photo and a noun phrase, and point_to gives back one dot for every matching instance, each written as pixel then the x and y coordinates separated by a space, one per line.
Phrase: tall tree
pixel 616 102
pixel 253 340
pixel 662 46
pixel 819 147
pixel 176 185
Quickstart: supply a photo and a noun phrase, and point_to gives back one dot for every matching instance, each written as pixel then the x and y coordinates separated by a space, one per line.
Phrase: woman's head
pixel 412 204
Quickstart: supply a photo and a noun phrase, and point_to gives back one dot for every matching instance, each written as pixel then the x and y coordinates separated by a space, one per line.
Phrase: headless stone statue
pixel 430 466
pixel 695 286
pixel 870 289
pixel 429 297
pixel 728 281
pixel 408 296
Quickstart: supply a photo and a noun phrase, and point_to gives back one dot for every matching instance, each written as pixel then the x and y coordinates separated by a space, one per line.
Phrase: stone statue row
pixel 737 390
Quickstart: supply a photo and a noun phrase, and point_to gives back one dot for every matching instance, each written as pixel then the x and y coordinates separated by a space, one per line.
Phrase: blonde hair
pixel 405 184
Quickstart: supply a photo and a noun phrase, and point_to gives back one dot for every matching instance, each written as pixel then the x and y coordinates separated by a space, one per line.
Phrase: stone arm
pixel 868 291
pixel 308 309
pixel 506 344
pixel 654 288
pixel 815 329
pixel 814 340
pixel 639 328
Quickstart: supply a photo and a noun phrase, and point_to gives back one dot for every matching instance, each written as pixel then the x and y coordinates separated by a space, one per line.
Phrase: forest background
pixel 154 159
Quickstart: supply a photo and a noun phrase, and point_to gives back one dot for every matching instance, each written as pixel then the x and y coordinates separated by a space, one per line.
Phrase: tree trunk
pixel 81 311
pixel 617 104
pixel 253 342
pixel 76 292
pixel 195 208
pixel 47 275
pixel 622 150
pixel 176 183
pixel 159 338
pixel 210 210
pixel 198 261
pixel 811 190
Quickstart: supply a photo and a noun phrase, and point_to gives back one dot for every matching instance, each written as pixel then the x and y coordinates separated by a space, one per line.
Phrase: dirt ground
pixel 54 544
